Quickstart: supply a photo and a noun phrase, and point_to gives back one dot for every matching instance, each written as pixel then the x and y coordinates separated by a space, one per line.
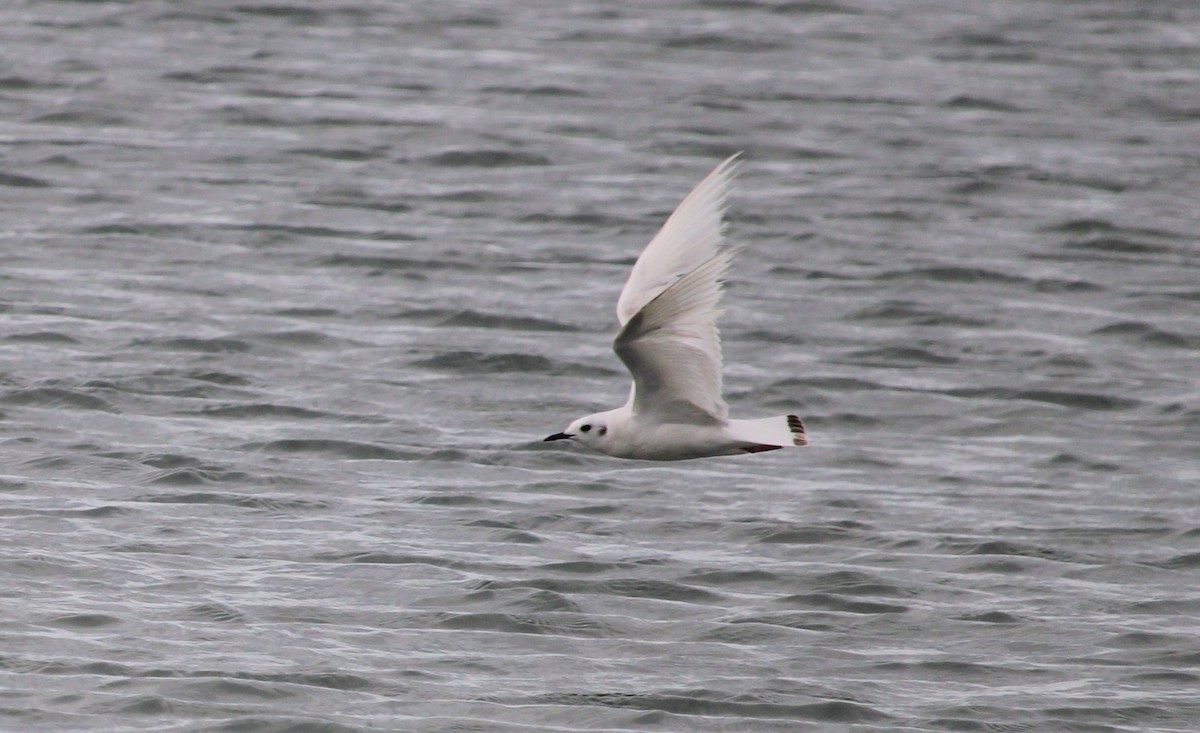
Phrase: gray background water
pixel 289 293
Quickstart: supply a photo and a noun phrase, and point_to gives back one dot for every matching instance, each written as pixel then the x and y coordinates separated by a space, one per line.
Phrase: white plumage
pixel 670 343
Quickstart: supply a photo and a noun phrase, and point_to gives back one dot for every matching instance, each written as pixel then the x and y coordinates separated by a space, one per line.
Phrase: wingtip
pixel 729 167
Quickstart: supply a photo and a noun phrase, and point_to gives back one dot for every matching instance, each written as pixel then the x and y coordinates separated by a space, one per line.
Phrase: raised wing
pixel 691 235
pixel 673 349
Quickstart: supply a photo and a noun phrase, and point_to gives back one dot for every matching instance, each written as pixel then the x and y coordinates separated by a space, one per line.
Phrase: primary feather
pixel 692 234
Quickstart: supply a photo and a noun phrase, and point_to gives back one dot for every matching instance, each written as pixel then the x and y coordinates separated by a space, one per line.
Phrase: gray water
pixel 290 293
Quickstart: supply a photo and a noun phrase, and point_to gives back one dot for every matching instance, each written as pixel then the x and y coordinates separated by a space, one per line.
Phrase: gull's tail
pixel 769 433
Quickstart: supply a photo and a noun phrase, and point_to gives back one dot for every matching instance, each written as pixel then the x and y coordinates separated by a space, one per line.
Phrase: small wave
pixel 1106 239
pixel 517 536
pixel 343 448
pixel 266 503
pixel 18 82
pixel 770 532
pixel 241 723
pixel 1144 333
pixel 52 338
pixel 1101 717
pixel 307 312
pixel 473 362
pixel 692 148
pixel 55 397
pixel 1117 245
pixel 211 75
pixel 1170 677
pixel 260 410
pixel 297 230
pixel 580 219
pixel 854 419
pixel 1146 639
pixel 545 601
pixel 85 621
pixel 832 384
pixel 486 159
pixel 626 587
pixel 356 155
pixel 834 602
pixel 476 319
pixel 359 199
pixel 149 705
pixel 330 680
pixel 198 476
pixel 1086 400
pixel 910 312
pixel 298 337
pixel 84 118
pixel 943 669
pixel 722 42
pixel 219 612
pixel 991 617
pixel 15 180
pixel 1186 561
pixel 1091 227
pixel 1083 400
pixel 386 558
pixel 1060 285
pixel 463 196
pixel 900 356
pixel 543 90
pixel 748 633
pixel 294 13
pixel 231 689
pixel 759 336
pixel 585 567
pixel 975 103
pixel 953 274
pixel 810 7
pixel 802 620
pixel 1011 549
pixel 456 500
pixel 137 229
pixel 160 384
pixel 711 705
pixel 384 263
pixel 733 577
pixel 214 345
pixel 853 583
pixel 99 512
pixel 1021 174
pixel 524 623
pixel 168 460
pixel 1069 460
pixel 223 378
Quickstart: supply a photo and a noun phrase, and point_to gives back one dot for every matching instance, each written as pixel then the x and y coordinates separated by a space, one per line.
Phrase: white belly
pixel 671 442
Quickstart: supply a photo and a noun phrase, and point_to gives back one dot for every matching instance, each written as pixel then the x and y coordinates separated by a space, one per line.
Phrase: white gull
pixel 670 344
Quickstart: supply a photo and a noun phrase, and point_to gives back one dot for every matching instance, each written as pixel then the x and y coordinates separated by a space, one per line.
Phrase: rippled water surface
pixel 289 294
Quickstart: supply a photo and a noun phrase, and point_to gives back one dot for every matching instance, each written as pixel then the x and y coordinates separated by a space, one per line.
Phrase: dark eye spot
pixel 603 430
pixel 585 428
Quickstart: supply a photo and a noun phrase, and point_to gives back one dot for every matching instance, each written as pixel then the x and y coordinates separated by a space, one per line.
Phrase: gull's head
pixel 591 431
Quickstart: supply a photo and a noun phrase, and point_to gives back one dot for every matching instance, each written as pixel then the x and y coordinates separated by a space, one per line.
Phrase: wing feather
pixel 693 233
pixel 672 348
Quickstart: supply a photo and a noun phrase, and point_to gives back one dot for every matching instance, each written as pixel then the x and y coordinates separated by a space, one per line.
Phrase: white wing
pixel 673 349
pixel 692 234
